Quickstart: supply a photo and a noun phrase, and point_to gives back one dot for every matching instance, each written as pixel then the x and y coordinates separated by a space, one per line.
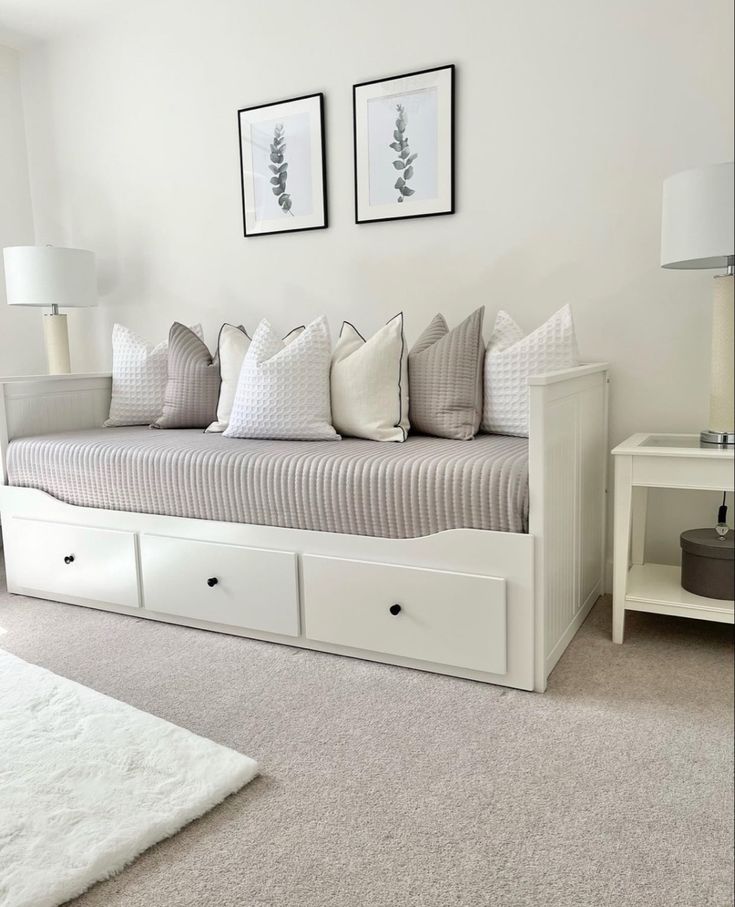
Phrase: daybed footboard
pixel 567 503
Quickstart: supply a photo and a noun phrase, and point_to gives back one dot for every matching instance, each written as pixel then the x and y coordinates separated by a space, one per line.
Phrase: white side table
pixel 660 461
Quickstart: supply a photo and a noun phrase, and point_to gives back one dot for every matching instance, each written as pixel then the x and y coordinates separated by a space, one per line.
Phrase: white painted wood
pixel 552 575
pixel 658 588
pixel 505 554
pixel 660 461
pixel 567 474
pixel 605 561
pixel 450 618
pixel 300 643
pixel 710 474
pixel 648 444
pixel 51 559
pixel 621 541
pixel 255 588
pixel 568 635
pixel 50 403
pixel 563 375
pixel 639 506
pixel 502 554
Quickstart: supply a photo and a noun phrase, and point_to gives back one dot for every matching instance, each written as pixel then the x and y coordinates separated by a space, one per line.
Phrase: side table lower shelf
pixel 656 588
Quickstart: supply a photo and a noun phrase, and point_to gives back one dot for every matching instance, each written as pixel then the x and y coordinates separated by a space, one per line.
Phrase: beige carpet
pixel 383 786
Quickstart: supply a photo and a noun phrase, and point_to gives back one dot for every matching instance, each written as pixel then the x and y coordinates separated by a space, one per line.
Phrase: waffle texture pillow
pixel 369 383
pixel 445 379
pixel 232 344
pixel 190 400
pixel 283 390
pixel 139 375
pixel 512 358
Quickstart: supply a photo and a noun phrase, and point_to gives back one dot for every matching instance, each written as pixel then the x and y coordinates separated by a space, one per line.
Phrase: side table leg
pixel 621 541
pixel 638 532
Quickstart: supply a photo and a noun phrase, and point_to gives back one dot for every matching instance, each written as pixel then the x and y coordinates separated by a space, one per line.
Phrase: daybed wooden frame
pixel 497 607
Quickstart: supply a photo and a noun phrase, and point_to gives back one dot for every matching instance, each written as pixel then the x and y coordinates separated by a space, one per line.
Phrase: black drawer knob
pixel 395 609
pixel 69 559
pixel 212 581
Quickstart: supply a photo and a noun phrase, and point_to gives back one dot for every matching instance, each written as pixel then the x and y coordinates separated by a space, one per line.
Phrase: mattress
pixel 389 490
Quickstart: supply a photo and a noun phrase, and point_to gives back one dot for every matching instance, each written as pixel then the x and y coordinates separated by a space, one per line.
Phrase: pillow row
pixel 297 387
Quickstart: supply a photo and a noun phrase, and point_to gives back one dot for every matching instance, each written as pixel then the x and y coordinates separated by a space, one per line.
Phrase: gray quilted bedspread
pixel 389 490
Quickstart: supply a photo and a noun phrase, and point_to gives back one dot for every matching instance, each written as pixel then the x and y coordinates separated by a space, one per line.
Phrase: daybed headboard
pixel 48 403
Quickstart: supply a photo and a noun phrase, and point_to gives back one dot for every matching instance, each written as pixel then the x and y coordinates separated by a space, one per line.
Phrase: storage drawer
pixel 59 559
pixel 449 618
pixel 251 588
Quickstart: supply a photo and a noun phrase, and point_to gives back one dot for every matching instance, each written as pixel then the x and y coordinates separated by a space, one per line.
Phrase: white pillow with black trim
pixel 369 383
pixel 232 345
pixel 283 389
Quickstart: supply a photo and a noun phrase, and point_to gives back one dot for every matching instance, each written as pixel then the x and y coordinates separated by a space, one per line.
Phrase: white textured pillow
pixel 370 383
pixel 139 376
pixel 511 359
pixel 232 345
pixel 283 391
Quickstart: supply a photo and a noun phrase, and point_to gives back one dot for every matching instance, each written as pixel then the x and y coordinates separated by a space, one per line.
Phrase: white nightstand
pixel 660 461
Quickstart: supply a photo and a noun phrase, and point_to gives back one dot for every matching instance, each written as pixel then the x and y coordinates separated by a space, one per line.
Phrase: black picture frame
pixel 324 219
pixel 451 206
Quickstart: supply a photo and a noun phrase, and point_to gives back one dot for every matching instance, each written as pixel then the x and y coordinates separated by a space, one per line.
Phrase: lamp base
pixel 720 438
pixel 722 390
pixel 56 338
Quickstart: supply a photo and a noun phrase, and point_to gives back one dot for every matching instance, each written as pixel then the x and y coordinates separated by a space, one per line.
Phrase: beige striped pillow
pixel 445 379
pixel 192 389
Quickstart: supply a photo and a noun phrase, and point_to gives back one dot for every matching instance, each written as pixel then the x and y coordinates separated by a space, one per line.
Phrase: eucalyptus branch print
pixel 404 159
pixel 279 168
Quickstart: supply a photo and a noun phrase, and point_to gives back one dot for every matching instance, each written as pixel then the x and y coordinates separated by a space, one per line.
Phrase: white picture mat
pixel 297 144
pixel 257 122
pixel 441 80
pixel 423 135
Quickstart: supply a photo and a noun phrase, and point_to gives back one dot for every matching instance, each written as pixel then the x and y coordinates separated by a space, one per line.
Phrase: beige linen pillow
pixel 369 383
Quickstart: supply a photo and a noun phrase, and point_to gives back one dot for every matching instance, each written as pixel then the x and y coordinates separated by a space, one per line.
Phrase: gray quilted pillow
pixel 445 379
pixel 192 389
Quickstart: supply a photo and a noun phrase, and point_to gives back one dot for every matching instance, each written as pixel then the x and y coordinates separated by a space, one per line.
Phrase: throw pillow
pixel 292 335
pixel 369 383
pixel 232 344
pixel 193 382
pixel 511 359
pixel 445 378
pixel 283 390
pixel 139 375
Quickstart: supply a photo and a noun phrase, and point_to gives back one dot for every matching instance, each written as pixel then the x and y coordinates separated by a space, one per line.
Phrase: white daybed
pixel 499 607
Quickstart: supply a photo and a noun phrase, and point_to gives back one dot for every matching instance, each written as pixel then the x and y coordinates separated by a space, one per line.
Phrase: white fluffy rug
pixel 87 783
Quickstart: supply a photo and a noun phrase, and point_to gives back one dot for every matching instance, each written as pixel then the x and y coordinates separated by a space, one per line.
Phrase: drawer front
pixel 449 618
pixel 255 588
pixel 72 561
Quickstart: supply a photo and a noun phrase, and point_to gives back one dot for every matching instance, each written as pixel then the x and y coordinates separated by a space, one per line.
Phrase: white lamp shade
pixel 697 218
pixel 49 275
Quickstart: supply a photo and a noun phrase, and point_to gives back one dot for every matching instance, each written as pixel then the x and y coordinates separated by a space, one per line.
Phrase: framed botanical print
pixel 282 166
pixel 404 146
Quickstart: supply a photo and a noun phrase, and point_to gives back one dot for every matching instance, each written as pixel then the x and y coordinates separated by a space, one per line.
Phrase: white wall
pixel 21 343
pixel 570 114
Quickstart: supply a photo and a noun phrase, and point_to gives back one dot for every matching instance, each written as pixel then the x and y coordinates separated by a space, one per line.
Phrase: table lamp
pixel 54 277
pixel 697 232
